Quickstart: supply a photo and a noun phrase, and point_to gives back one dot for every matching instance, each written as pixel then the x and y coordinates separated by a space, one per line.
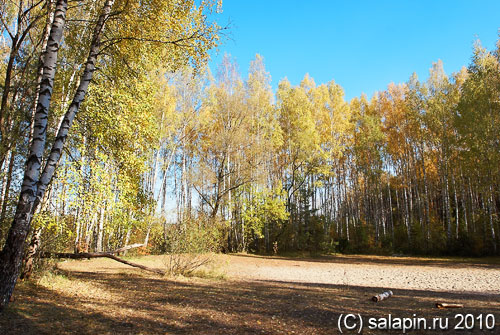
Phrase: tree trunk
pixel 12 252
pixel 490 215
pixel 5 195
pixel 407 215
pixel 90 232
pixel 391 218
pixel 45 39
pixel 127 239
pixel 77 237
pixel 472 205
pixel 464 203
pixel 85 79
pixel 30 255
pixel 100 232
pixel 457 225
pixel 426 200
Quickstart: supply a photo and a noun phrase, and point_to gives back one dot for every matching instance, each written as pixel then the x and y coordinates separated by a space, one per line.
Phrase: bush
pixel 191 245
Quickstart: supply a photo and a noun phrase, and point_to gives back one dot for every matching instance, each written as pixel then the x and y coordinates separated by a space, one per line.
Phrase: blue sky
pixel 362 45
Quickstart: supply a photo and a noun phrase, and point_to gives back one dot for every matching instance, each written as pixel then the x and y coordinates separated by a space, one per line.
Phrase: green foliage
pixel 57 231
pixel 263 207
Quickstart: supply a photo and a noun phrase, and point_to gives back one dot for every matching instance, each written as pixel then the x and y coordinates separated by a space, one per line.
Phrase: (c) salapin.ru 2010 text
pixel 355 322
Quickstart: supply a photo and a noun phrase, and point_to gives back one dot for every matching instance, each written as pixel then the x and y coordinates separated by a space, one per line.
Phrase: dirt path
pixel 259 295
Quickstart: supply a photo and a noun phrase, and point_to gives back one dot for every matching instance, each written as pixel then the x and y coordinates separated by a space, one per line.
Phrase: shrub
pixel 191 245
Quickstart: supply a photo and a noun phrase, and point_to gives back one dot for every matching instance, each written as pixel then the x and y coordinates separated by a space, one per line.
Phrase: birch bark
pixel 11 255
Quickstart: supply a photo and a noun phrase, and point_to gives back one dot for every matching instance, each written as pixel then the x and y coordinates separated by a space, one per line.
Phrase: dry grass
pixel 104 297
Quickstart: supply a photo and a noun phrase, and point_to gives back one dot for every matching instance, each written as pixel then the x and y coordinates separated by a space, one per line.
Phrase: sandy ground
pixel 256 295
pixel 373 271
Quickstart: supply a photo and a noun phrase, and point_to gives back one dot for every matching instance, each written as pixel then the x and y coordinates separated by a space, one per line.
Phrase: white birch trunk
pixel 11 255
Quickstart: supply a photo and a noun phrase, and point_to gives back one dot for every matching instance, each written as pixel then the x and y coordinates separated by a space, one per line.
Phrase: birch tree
pixel 191 40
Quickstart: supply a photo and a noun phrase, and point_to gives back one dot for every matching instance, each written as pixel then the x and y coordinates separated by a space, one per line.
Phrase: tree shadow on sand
pixel 148 304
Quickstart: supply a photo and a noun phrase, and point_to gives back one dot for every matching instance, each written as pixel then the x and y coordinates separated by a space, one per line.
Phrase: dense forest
pixel 163 151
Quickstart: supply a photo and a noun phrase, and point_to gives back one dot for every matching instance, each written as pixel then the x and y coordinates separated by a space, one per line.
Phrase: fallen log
pixel 98 255
pixel 443 305
pixel 382 296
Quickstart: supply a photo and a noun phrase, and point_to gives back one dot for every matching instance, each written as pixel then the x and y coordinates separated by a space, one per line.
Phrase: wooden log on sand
pixel 97 255
pixel 382 296
pixel 443 305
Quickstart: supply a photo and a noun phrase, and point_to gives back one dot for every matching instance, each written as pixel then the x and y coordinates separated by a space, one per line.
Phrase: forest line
pixel 414 169
pixel 184 160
